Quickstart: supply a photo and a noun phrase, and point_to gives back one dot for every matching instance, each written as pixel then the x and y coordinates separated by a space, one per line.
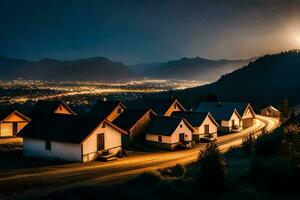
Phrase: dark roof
pixel 158 105
pixel 103 108
pixel 162 125
pixel 194 118
pixel 240 107
pixel 129 118
pixel 220 111
pixel 48 107
pixel 63 128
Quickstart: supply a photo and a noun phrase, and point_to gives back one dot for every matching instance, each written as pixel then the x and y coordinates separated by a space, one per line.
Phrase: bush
pixel 248 144
pixel 268 144
pixel 212 170
pixel 274 173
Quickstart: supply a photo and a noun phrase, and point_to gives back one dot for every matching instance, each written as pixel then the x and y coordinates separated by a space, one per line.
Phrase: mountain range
pixel 98 68
pixel 190 68
pixel 103 69
pixel 266 81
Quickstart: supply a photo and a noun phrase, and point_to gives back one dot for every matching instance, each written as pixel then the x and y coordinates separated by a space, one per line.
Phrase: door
pixel 233 122
pixel 100 141
pixel 15 128
pixel 181 137
pixel 206 129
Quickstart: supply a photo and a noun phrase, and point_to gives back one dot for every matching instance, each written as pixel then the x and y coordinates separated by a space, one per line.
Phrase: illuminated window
pixel 48 145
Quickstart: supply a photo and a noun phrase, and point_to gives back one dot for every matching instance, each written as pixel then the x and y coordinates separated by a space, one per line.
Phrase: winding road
pixel 21 183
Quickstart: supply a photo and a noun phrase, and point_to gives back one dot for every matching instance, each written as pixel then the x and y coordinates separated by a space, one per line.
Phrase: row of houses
pixel 54 130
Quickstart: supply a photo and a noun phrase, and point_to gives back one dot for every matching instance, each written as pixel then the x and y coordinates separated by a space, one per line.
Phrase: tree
pixel 211 168
pixel 286 112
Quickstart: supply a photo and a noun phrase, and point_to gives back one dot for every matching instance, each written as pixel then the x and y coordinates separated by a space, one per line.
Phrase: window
pixel 175 105
pixel 48 145
pixel 180 125
pixel 160 138
pixel 119 110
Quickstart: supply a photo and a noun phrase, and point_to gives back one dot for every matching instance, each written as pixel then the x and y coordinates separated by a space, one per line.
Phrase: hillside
pixel 98 68
pixel 190 68
pixel 267 80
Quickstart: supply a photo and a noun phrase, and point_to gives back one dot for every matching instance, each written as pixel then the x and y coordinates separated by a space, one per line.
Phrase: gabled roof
pixel 162 125
pixel 158 105
pixel 104 108
pixel 5 114
pixel 62 128
pixel 194 118
pixel 270 107
pixel 50 106
pixel 239 106
pixel 130 117
pixel 220 111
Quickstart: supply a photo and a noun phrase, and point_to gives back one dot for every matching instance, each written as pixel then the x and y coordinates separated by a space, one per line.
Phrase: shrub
pixel 212 170
pixel 268 144
pixel 248 144
pixel 274 173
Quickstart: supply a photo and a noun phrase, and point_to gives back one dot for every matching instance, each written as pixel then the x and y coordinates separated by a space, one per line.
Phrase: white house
pixel 169 132
pixel 107 109
pixel 71 138
pixel 270 111
pixel 247 113
pixel 11 123
pixel 205 126
pixel 245 110
pixel 226 115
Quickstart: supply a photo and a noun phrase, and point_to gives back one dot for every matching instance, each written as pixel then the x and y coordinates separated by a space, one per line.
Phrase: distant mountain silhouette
pixel 267 80
pixel 10 64
pixel 98 68
pixel 190 68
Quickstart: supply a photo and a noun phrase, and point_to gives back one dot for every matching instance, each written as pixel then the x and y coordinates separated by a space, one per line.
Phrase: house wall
pixel 270 112
pixel 213 128
pixel 174 107
pixel 225 126
pixel 138 131
pixel 248 114
pixel 62 110
pixel 59 150
pixel 6 127
pixel 114 114
pixel 112 142
pixel 174 138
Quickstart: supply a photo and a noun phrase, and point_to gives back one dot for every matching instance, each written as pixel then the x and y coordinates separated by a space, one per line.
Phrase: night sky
pixel 147 31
